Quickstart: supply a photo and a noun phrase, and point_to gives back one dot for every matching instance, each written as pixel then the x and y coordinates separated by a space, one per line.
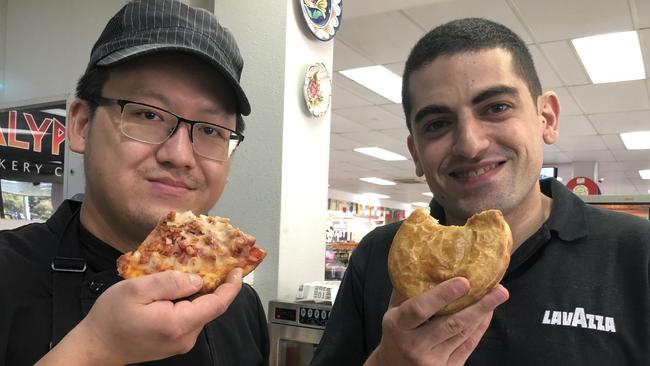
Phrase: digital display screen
pixel 548 172
pixel 285 314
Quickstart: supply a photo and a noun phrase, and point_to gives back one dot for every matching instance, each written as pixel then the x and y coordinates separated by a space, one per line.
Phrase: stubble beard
pixel 468 206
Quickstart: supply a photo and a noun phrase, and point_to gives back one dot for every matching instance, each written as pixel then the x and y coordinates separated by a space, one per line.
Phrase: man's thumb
pixel 168 285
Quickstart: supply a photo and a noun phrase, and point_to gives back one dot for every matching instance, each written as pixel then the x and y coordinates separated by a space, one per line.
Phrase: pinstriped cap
pixel 145 26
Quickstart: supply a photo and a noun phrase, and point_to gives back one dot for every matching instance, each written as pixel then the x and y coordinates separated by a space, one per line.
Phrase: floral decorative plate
pixel 318 89
pixel 323 17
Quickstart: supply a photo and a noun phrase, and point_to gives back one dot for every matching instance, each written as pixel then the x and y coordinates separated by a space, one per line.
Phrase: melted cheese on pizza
pixel 205 245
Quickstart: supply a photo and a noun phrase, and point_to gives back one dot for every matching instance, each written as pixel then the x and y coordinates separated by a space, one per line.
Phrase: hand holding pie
pixel 425 253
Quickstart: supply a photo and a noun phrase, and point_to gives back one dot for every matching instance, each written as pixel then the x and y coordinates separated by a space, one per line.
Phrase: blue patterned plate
pixel 323 17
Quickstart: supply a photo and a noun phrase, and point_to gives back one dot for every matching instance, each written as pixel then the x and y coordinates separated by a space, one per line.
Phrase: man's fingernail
pixel 504 294
pixel 195 280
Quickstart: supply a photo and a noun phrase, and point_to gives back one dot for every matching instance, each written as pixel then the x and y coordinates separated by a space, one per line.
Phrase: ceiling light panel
pixel 379 181
pixel 378 79
pixel 639 140
pixel 645 174
pixel 611 57
pixel 379 153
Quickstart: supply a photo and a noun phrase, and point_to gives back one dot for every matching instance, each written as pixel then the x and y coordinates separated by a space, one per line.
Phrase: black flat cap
pixel 147 26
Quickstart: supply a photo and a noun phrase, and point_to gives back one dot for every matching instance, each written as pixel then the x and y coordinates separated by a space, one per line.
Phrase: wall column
pixel 278 183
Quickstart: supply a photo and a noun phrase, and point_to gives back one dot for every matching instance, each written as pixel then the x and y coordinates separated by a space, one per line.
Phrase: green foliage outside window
pixel 40 208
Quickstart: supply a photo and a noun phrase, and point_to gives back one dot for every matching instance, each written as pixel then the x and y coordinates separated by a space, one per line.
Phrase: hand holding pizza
pixel 200 259
pixel 137 320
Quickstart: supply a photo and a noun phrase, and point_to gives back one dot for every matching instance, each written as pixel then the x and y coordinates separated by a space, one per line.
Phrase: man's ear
pixel 549 111
pixel 78 125
pixel 414 154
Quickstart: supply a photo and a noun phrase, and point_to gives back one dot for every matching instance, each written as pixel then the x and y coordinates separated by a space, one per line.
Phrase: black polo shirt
pixel 238 337
pixel 579 293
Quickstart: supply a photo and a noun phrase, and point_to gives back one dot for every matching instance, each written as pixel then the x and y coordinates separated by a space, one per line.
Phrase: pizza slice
pixel 205 245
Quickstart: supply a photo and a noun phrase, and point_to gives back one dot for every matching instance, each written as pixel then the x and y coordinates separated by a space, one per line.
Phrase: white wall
pixel 3 36
pixel 44 49
pixel 47 46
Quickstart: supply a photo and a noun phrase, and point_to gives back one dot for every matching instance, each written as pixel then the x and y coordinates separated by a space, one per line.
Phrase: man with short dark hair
pixel 158 118
pixel 578 283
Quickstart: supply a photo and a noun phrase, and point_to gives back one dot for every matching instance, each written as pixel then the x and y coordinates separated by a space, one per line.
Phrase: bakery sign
pixel 32 146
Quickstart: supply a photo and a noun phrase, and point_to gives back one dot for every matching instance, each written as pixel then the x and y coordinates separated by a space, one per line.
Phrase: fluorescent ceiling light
pixel 611 57
pixel 636 140
pixel 381 182
pixel 378 79
pixel 428 194
pixel 645 174
pixel 420 204
pixel 57 111
pixel 374 195
pixel 379 153
pixel 21 132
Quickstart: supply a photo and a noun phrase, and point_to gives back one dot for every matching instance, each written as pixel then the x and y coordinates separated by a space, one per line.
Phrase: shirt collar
pixel 59 220
pixel 99 255
pixel 567 217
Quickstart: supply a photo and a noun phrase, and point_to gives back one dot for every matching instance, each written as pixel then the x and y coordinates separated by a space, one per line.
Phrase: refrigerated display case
pixel 637 205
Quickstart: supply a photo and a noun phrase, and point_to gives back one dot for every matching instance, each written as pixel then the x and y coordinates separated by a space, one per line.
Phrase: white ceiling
pixel 383 32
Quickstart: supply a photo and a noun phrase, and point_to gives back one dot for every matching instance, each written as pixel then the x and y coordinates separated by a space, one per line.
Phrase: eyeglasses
pixel 153 125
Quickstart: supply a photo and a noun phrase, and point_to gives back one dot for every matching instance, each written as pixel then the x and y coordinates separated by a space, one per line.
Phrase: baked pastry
pixel 205 245
pixel 425 253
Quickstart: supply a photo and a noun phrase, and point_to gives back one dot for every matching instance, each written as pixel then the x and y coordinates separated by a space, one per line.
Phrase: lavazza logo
pixel 579 319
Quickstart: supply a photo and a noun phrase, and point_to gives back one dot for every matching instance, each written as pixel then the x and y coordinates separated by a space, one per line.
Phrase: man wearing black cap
pixel 162 82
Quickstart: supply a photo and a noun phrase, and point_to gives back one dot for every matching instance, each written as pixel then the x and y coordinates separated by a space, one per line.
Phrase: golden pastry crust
pixel 425 253
pixel 205 245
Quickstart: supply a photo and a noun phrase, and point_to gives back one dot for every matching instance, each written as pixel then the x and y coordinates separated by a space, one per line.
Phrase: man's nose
pixel 177 150
pixel 470 137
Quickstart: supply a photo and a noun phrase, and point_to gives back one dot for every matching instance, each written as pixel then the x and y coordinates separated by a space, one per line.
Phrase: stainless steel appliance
pixel 295 330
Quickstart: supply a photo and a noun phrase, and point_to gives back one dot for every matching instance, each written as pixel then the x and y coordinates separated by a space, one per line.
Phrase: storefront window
pixel 26 201
pixel 32 147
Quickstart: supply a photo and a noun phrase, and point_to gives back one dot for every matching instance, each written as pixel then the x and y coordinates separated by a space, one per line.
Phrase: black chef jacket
pixel 238 337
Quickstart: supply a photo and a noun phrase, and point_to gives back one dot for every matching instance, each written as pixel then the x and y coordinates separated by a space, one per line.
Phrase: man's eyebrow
pixel 482 96
pixel 149 93
pixel 430 109
pixel 494 91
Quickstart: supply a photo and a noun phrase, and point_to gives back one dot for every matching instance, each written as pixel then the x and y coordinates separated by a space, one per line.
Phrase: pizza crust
pixel 205 245
pixel 425 253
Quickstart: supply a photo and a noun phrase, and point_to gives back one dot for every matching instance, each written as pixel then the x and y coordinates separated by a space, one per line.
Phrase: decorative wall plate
pixel 323 17
pixel 317 89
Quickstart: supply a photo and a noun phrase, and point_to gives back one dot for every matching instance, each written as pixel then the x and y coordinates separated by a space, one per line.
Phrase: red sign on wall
pixel 583 186
pixel 32 146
